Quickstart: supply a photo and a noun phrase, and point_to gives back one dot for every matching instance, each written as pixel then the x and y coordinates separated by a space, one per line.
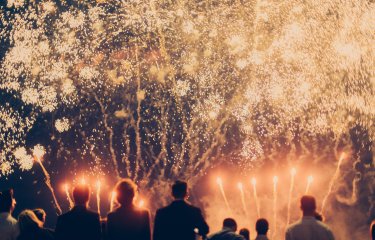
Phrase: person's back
pixel 128 222
pixel 228 231
pixel 179 220
pixel 9 229
pixel 79 223
pixel 308 228
pixel 31 228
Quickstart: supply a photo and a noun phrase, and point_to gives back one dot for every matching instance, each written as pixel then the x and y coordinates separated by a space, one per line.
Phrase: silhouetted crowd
pixel 177 221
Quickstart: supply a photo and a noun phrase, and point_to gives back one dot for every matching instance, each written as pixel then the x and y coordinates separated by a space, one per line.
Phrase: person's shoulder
pixel 323 226
pixel 92 213
pixel 294 225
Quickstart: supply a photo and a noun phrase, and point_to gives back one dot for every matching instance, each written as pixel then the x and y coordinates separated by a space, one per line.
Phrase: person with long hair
pixel 128 222
pixel 31 228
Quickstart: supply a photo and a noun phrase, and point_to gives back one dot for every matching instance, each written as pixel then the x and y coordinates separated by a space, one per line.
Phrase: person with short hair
pixel 180 220
pixel 245 233
pixel 308 227
pixel 228 231
pixel 31 228
pixel 79 223
pixel 8 225
pixel 128 222
pixel 372 229
pixel 261 227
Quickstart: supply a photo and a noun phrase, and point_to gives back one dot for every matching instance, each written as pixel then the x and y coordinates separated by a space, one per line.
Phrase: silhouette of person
pixel 308 227
pixel 41 215
pixel 31 228
pixel 179 220
pixel 8 225
pixel 261 226
pixel 228 231
pixel 372 229
pixel 245 233
pixel 79 223
pixel 128 222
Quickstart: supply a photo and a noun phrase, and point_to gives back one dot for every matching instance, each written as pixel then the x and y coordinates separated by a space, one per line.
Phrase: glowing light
pixel 220 183
pixel 113 199
pixel 275 181
pixel 141 203
pixel 66 189
pixel 98 188
pixel 39 152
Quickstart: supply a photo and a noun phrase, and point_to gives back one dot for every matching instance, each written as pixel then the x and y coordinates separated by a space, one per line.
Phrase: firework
pixel 310 179
pixel 220 183
pixel 254 183
pixel 98 188
pixel 39 152
pixel 291 188
pixel 112 201
pixel 275 181
pixel 66 189
pixel 332 182
pixel 243 200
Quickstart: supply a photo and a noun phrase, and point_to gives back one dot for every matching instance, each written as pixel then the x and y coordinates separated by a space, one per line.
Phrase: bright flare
pixel 254 182
pixel 310 179
pixel 293 174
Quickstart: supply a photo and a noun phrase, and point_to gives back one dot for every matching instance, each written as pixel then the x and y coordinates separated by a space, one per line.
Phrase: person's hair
pixel 40 214
pixel 230 223
pixel 373 230
pixel 179 189
pixel 6 200
pixel 261 226
pixel 81 194
pixel 126 190
pixel 28 221
pixel 308 204
pixel 244 232
pixel 318 216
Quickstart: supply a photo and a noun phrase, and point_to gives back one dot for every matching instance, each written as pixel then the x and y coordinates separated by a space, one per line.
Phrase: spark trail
pixel 220 183
pixel 39 152
pixel 98 189
pixel 310 179
pixel 243 200
pixel 292 179
pixel 332 182
pixel 254 183
pixel 275 181
pixel 66 189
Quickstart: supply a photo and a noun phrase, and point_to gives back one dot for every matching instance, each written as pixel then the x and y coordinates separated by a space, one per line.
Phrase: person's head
pixel 179 190
pixel 81 195
pixel 318 216
pixel 230 223
pixel 261 226
pixel 7 201
pixel 28 221
pixel 40 214
pixel 373 230
pixel 308 205
pixel 244 232
pixel 126 190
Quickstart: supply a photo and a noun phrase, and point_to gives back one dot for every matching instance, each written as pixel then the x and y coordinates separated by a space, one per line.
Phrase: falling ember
pixel 310 179
pixel 220 183
pixel 332 182
pixel 292 174
pixel 66 189
pixel 243 200
pixel 98 188
pixel 254 183
pixel 38 153
pixel 113 199
pixel 275 181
